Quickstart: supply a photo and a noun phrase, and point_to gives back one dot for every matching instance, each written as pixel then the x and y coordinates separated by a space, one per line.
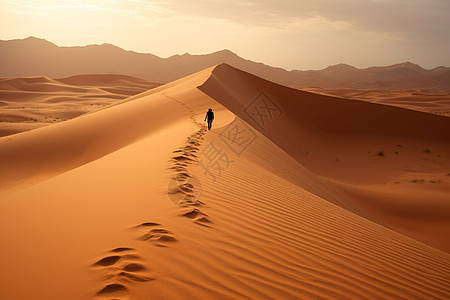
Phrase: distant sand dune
pixel 427 100
pixel 31 99
pixel 296 196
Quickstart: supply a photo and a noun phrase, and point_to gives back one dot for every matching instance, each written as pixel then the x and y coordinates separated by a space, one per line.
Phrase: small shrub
pixel 427 150
pixel 396 152
pixel 381 153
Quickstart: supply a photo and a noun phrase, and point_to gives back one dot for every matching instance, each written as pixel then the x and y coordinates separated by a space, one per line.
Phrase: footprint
pixel 182 158
pixel 186 151
pixel 194 142
pixel 193 214
pixel 113 290
pixel 182 176
pixel 122 249
pixel 203 221
pixel 120 270
pixel 198 217
pixel 186 187
pixel 189 148
pixel 149 224
pixel 108 261
pixel 134 267
pixel 189 201
pixel 156 234
pixel 180 169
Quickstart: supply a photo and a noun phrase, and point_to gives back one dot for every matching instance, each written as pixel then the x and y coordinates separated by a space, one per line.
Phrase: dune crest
pixel 67 145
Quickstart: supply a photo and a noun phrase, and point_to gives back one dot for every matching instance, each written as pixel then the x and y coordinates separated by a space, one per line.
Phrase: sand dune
pixel 286 197
pixel 384 147
pixel 33 102
pixel 426 100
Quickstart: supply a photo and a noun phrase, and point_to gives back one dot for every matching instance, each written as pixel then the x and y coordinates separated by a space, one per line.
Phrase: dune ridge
pixel 229 83
pixel 95 193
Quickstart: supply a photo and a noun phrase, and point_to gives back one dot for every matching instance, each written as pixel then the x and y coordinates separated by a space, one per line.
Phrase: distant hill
pixel 38 57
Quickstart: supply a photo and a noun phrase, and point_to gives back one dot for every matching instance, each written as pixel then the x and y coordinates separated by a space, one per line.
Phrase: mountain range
pixel 36 57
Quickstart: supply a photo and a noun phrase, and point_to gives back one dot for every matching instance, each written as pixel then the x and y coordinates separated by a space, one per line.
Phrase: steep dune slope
pixel 355 146
pixel 318 113
pixel 139 200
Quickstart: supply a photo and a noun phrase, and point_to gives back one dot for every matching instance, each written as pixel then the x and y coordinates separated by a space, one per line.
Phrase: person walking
pixel 210 117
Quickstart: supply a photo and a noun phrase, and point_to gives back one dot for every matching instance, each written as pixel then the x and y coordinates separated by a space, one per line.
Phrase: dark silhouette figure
pixel 210 117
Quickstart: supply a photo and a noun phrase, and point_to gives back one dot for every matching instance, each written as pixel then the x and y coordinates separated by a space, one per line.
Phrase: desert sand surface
pixel 435 101
pixel 291 195
pixel 31 102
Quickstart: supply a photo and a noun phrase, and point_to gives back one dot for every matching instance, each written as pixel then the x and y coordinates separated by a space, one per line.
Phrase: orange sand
pixel 32 102
pixel 435 101
pixel 300 206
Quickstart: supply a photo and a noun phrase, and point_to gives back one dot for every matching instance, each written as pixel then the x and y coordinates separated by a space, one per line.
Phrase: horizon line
pixel 223 50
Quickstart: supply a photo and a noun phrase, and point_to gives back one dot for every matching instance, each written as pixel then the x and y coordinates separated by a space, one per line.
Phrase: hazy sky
pixel 293 34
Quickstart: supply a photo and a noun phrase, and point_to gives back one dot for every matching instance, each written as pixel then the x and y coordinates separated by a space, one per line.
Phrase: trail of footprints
pixel 124 266
pixel 120 267
pixel 186 184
